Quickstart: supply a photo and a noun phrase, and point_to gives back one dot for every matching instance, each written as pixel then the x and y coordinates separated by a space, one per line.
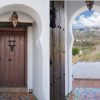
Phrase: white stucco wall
pixel 86 70
pixel 30 63
pixel 38 10
pixel 73 9
pixel 22 17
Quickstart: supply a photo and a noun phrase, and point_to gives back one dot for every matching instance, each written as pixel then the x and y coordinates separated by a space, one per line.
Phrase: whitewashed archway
pixel 70 43
pixel 34 48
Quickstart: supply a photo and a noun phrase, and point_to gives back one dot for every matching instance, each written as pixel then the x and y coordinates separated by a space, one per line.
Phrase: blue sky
pixel 87 19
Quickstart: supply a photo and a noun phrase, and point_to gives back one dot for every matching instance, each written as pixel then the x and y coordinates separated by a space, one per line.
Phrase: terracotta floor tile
pixel 86 83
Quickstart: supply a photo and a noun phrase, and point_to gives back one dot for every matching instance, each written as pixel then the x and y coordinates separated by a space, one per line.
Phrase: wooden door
pixel 12 58
pixel 57 56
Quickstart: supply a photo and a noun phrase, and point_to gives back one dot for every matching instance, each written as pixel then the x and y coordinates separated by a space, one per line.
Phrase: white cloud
pixel 93 20
pixel 75 22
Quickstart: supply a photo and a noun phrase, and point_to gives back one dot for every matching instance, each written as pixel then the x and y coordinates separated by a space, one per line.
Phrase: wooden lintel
pixel 10 25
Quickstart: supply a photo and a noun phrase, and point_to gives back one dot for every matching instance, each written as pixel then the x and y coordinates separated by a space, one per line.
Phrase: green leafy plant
pixel 75 51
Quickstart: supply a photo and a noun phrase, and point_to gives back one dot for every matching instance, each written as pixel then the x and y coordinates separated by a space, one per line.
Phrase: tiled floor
pixel 86 83
pixel 16 96
pixel 85 90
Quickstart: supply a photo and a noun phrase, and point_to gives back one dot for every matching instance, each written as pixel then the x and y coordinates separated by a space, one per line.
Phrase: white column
pixel 29 58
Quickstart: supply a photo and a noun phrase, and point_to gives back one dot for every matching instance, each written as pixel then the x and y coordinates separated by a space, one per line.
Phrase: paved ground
pixel 85 90
pixel 86 83
pixel 16 96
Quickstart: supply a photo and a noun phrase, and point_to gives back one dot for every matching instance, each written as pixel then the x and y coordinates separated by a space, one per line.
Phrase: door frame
pixel 22 26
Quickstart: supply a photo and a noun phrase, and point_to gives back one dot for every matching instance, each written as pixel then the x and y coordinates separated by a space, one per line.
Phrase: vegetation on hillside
pixel 89 44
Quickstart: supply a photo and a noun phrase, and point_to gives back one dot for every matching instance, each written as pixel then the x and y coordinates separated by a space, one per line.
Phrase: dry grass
pixel 89 55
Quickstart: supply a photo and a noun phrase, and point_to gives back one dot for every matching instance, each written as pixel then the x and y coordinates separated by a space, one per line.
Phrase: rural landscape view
pixel 86 46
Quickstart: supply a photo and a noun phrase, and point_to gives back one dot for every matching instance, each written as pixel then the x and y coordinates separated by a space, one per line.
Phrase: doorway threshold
pixel 13 89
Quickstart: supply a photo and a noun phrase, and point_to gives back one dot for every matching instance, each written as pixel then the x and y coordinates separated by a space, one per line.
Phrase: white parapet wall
pixel 86 70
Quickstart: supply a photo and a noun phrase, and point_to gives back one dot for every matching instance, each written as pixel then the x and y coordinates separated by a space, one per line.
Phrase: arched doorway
pixel 70 43
pixel 86 45
pixel 34 50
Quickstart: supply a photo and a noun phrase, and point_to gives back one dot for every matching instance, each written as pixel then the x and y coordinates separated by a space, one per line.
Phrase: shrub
pixel 75 51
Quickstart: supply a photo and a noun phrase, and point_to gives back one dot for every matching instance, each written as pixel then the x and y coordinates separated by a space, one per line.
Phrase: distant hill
pixel 87 29
pixel 88 34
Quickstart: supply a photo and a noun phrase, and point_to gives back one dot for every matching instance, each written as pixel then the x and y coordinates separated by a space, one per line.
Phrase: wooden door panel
pixel 51 64
pixel 12 62
pixel 62 49
pixel 22 60
pixel 57 57
pixel 17 60
pixel 6 73
pixel 57 89
pixel 57 47
pixel 2 46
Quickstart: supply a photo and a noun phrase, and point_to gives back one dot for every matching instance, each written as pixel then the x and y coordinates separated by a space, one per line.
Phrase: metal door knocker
pixel 12 44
